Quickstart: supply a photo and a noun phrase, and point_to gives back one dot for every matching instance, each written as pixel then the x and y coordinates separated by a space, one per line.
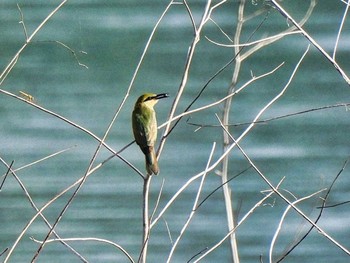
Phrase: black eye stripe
pixel 150 98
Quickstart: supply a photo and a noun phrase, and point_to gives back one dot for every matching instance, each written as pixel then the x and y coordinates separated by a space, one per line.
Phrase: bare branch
pixel 4 251
pixel 8 171
pixel 254 78
pixel 220 186
pixel 274 239
pixel 72 51
pixel 287 31
pixel 340 30
pixel 37 210
pixel 191 16
pixel 312 41
pixel 258 204
pixel 44 158
pixel 14 60
pixel 89 239
pixel 205 17
pixel 264 121
pixel 263 40
pixel 195 204
pixel 319 216
pixel 22 23
pixel 320 230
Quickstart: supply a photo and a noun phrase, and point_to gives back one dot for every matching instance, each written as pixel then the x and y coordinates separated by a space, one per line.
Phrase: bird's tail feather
pixel 151 161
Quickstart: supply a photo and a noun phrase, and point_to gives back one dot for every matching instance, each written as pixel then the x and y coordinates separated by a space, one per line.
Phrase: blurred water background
pixel 308 149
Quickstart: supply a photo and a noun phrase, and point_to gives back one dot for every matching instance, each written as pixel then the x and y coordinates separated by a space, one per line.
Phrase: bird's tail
pixel 151 161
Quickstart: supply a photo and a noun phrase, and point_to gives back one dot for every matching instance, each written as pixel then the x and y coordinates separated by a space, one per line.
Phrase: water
pixel 307 149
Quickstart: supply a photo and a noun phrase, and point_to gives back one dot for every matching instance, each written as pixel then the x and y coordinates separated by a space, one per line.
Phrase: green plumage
pixel 144 125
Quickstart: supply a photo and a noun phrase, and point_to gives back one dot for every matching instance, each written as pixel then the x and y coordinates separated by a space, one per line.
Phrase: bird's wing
pixel 145 129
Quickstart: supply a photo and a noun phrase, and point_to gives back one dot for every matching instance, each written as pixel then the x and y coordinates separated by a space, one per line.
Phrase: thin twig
pixel 43 159
pixel 340 29
pixel 169 232
pixel 88 239
pixel 335 205
pixel 212 78
pixel 75 193
pixel 252 43
pixel 319 215
pixel 25 229
pixel 98 166
pixel 79 127
pixel 311 40
pixel 22 22
pixel 4 251
pixel 8 171
pixel 221 30
pixel 300 212
pixel 257 47
pixel 158 199
pixel 218 161
pixel 37 210
pixel 279 227
pixel 14 60
pixel 184 79
pixel 72 51
pixel 244 218
pixel 194 27
pixel 197 254
pixel 195 205
pixel 253 79
pixel 220 186
pixel 146 219
pixel 264 121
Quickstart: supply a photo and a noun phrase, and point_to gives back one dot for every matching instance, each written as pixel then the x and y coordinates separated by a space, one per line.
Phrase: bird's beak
pixel 161 96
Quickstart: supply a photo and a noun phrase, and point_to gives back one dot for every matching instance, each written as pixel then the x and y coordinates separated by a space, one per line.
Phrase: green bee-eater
pixel 144 126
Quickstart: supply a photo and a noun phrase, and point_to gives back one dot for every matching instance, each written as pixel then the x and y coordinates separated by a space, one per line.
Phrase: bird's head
pixel 150 99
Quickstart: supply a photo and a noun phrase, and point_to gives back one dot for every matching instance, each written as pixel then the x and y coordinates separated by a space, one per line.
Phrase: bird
pixel 144 126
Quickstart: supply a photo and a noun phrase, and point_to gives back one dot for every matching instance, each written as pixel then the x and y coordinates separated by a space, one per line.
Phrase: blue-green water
pixel 307 149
